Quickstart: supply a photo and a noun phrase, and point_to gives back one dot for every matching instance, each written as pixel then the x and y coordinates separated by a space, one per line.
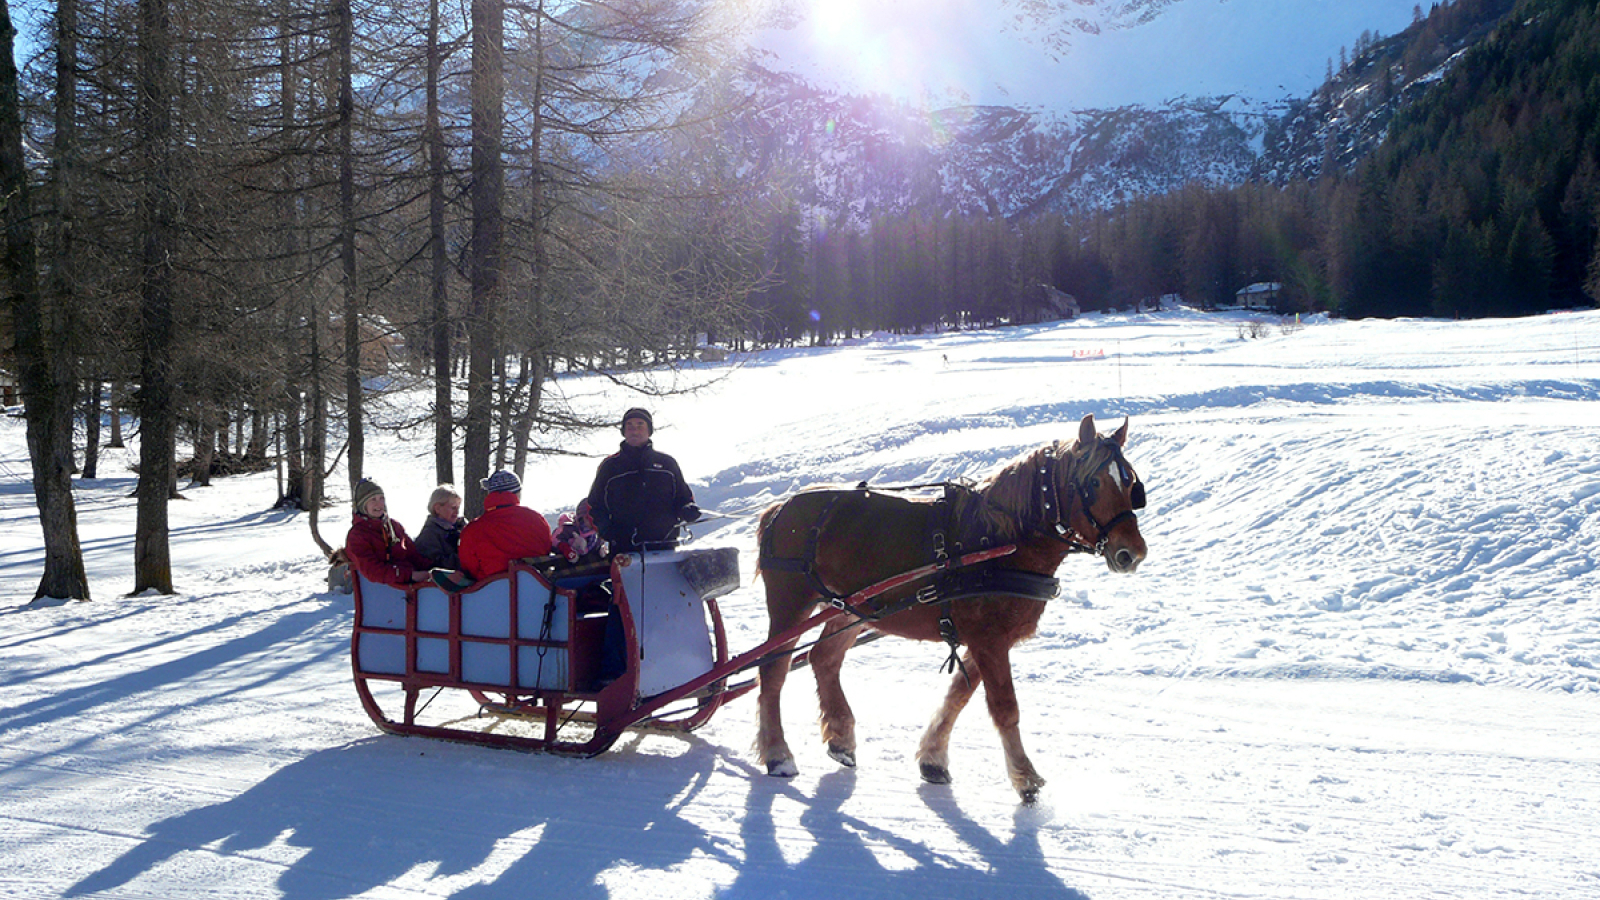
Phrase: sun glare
pixel 888 46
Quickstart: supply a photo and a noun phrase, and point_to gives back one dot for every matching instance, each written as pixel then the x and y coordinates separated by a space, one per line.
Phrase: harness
pixel 974 574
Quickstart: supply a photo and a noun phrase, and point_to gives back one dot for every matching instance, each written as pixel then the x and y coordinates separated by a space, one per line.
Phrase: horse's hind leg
pixel 933 754
pixel 837 720
pixel 785 608
pixel 771 747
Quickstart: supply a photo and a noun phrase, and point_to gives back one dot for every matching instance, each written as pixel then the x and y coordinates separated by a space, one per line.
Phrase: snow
pixel 1063 56
pixel 1361 660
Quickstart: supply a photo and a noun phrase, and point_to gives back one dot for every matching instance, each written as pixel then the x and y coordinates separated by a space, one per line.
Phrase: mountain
pixel 1063 106
pixel 1063 56
pixel 1347 117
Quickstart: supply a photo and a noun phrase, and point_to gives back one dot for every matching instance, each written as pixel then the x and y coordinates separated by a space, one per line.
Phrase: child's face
pixel 375 507
pixel 448 509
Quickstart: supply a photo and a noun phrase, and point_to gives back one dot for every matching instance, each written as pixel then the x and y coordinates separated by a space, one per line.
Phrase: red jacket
pixel 381 552
pixel 506 531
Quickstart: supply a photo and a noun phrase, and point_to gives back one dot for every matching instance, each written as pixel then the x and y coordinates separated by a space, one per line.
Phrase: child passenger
pixel 506 531
pixel 440 537
pixel 377 545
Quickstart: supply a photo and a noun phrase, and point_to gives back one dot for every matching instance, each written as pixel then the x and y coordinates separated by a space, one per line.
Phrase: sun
pixel 883 46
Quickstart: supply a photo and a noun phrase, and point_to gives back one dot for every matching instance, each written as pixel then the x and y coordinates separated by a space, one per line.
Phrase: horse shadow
pixel 873 861
pixel 383 810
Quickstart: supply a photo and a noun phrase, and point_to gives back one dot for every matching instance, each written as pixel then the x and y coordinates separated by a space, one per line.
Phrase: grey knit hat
pixel 366 489
pixel 502 482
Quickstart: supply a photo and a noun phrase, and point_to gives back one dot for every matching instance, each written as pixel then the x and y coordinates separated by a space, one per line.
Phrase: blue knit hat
pixel 502 482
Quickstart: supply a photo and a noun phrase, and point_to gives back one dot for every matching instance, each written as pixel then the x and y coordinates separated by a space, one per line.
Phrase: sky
pixel 1362 658
pixel 1066 56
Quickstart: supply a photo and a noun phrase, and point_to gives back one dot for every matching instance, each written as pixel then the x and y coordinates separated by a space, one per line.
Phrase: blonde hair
pixel 440 493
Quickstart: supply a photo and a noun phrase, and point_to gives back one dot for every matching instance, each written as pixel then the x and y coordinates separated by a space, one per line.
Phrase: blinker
pixel 1136 497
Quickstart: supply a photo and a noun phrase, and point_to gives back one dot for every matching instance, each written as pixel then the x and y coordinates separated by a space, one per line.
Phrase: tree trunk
pixel 534 365
pixel 487 189
pixel 343 37
pixel 63 324
pixel 152 563
pixel 296 318
pixel 255 451
pixel 49 439
pixel 94 401
pixel 114 408
pixel 205 448
pixel 316 442
pixel 443 412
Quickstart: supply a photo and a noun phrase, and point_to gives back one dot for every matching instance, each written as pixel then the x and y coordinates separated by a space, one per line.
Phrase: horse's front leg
pixel 1001 695
pixel 835 716
pixel 933 754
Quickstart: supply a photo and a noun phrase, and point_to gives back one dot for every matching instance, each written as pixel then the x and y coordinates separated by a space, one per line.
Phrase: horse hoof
pixel 933 774
pixel 782 768
pixel 1030 796
pixel 842 756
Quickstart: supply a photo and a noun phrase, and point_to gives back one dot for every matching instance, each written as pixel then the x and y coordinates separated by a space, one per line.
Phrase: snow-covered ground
pixel 1361 660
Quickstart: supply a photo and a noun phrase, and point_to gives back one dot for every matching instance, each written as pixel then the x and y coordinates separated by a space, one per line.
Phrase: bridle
pixel 1053 521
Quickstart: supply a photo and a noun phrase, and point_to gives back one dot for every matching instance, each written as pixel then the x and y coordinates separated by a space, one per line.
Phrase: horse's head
pixel 1107 492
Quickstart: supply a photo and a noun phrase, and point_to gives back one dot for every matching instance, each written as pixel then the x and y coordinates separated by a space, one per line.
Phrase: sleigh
pixel 515 660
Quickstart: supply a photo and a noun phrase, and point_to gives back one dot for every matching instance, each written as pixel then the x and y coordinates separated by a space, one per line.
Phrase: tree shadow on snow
pixel 401 813
pixel 862 860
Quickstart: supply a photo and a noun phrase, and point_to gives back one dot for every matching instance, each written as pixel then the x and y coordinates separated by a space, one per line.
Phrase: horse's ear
pixel 1121 435
pixel 1086 434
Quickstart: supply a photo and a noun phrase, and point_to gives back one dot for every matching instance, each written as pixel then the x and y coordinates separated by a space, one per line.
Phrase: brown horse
pixel 821 543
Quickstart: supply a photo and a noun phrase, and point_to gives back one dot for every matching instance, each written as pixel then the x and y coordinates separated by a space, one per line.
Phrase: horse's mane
pixel 1005 500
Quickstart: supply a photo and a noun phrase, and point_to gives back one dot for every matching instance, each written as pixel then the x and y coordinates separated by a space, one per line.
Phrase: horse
pixel 827 544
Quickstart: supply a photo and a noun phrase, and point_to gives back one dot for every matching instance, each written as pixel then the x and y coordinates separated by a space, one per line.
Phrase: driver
pixel 639 496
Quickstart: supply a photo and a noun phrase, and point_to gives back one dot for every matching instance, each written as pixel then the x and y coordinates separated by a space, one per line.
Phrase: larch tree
pixel 48 412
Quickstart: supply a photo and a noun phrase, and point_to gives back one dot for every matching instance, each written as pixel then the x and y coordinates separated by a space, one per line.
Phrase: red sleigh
pixel 515 660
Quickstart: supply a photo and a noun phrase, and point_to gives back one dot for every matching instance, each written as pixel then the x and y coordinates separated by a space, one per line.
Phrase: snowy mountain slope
pixel 1360 661
pixel 879 108
pixel 1066 55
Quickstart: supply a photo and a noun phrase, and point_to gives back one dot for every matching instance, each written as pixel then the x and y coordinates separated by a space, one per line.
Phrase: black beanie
pixel 638 413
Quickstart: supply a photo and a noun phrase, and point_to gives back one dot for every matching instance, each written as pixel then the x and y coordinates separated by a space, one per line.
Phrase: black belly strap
pixel 989 579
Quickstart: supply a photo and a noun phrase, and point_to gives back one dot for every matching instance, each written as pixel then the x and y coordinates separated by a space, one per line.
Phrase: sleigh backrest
pixel 492 635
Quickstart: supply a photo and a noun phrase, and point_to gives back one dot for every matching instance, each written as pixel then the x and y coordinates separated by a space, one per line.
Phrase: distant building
pixel 1261 295
pixel 1059 304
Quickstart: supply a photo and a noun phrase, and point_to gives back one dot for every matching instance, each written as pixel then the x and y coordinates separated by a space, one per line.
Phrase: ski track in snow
pixel 1362 659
